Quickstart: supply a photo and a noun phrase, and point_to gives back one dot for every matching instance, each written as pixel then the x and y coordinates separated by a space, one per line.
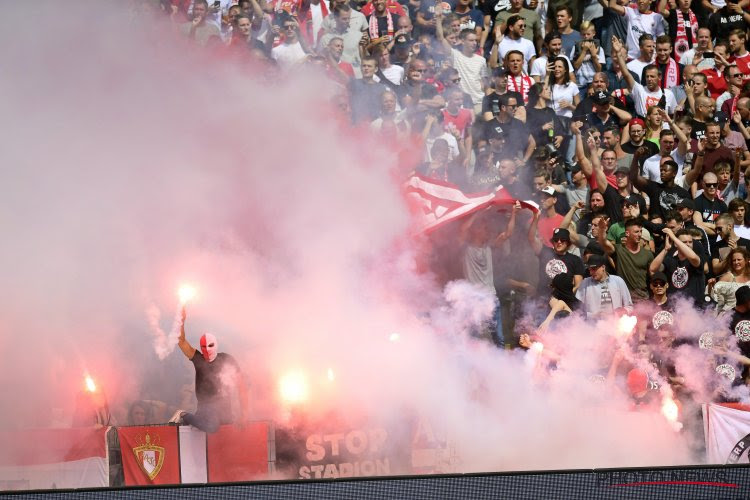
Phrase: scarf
pixel 683 39
pixel 374 30
pixel 670 77
pixel 522 88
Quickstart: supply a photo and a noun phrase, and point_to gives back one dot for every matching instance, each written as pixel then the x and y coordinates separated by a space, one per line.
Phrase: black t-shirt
pixel 383 24
pixel 698 129
pixel 535 120
pixel 685 279
pixel 708 209
pixel 663 198
pixel 551 264
pixel 631 148
pixel 613 204
pixel 516 135
pixel 740 326
pixel 722 22
pixel 210 383
pixel 420 90
pixel 720 249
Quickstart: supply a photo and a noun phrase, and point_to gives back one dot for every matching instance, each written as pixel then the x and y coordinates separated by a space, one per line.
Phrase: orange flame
pixel 293 387
pixel 625 325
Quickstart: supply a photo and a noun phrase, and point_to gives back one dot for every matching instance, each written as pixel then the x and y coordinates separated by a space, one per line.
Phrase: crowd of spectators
pixel 627 123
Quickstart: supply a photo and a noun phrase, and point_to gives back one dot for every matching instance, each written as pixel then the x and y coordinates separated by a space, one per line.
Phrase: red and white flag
pixel 150 455
pixel 727 431
pixel 53 458
pixel 437 202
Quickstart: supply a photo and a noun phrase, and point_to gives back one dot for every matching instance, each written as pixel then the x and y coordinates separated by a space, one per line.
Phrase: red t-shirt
pixel 461 121
pixel 743 64
pixel 717 85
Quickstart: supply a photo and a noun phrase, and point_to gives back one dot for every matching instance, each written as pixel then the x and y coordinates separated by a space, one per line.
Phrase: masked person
pixel 216 375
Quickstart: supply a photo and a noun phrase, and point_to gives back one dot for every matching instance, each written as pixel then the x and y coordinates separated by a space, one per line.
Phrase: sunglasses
pixel 711 184
pixel 658 284
pixel 514 106
pixel 456 80
pixel 289 27
pixel 558 240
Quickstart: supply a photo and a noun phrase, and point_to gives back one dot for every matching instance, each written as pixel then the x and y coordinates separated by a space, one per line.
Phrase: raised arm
pixel 656 264
pixel 534 241
pixel 567 222
pixel 618 52
pixel 692 175
pixel 635 169
pixel 692 257
pixel 439 30
pixel 601 237
pixel 502 237
pixel 616 7
pixel 185 347
pixel 684 144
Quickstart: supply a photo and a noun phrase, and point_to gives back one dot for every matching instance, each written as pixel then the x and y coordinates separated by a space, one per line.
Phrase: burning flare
pixel 90 385
pixel 186 293
pixel 293 387
pixel 671 412
pixel 625 325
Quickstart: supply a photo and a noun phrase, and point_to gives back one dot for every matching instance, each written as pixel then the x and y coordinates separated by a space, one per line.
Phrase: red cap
pixel 637 381
pixel 637 121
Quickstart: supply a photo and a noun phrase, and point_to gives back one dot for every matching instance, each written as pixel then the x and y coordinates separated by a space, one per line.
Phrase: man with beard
pixel 740 55
pixel 217 375
pixel 645 56
pixel 682 265
pixel 671 72
pixel 616 193
pixel 513 39
pixel 729 241
pixel 533 32
pixel 649 95
pixel 710 152
pixel 707 206
pixel 631 257
pixel 198 29
pixel 664 195
pixel 637 129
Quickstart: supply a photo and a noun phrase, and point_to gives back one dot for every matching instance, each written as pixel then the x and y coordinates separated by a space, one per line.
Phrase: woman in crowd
pixel 737 276
pixel 565 99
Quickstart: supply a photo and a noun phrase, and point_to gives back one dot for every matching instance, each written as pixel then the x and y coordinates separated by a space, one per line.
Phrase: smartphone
pixel 708 55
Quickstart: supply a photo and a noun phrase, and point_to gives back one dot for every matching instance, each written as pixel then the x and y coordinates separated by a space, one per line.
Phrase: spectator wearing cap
pixel 546 219
pixel 518 143
pixel 708 206
pixel 563 299
pixel 555 260
pixel 601 293
pixel 727 240
pixel 682 265
pixel 491 101
pixel 542 64
pixel 604 114
pixel 659 286
pixel 664 195
pixel 614 193
pixel 634 137
pixel 632 258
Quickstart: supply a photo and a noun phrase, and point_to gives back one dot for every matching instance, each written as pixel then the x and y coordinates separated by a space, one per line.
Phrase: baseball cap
pixel 659 276
pixel 596 261
pixel 685 203
pixel 574 168
pixel 630 200
pixel 496 132
pixel 600 97
pixel 637 121
pixel 720 117
pixel 560 234
pixel 549 190
pixel 637 381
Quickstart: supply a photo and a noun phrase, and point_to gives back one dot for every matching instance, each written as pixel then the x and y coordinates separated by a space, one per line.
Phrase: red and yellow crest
pixel 150 457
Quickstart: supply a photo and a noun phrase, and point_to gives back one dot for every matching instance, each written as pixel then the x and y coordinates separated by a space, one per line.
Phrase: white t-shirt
pixel 643 99
pixel 636 67
pixel 471 70
pixel 394 75
pixel 641 24
pixel 564 93
pixel 288 55
pixel 524 46
pixel 539 66
pixel 651 165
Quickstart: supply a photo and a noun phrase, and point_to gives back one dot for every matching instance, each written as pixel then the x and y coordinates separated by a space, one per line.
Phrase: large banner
pixel 53 458
pixel 150 455
pixel 727 431
pixel 331 450
pixel 238 453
